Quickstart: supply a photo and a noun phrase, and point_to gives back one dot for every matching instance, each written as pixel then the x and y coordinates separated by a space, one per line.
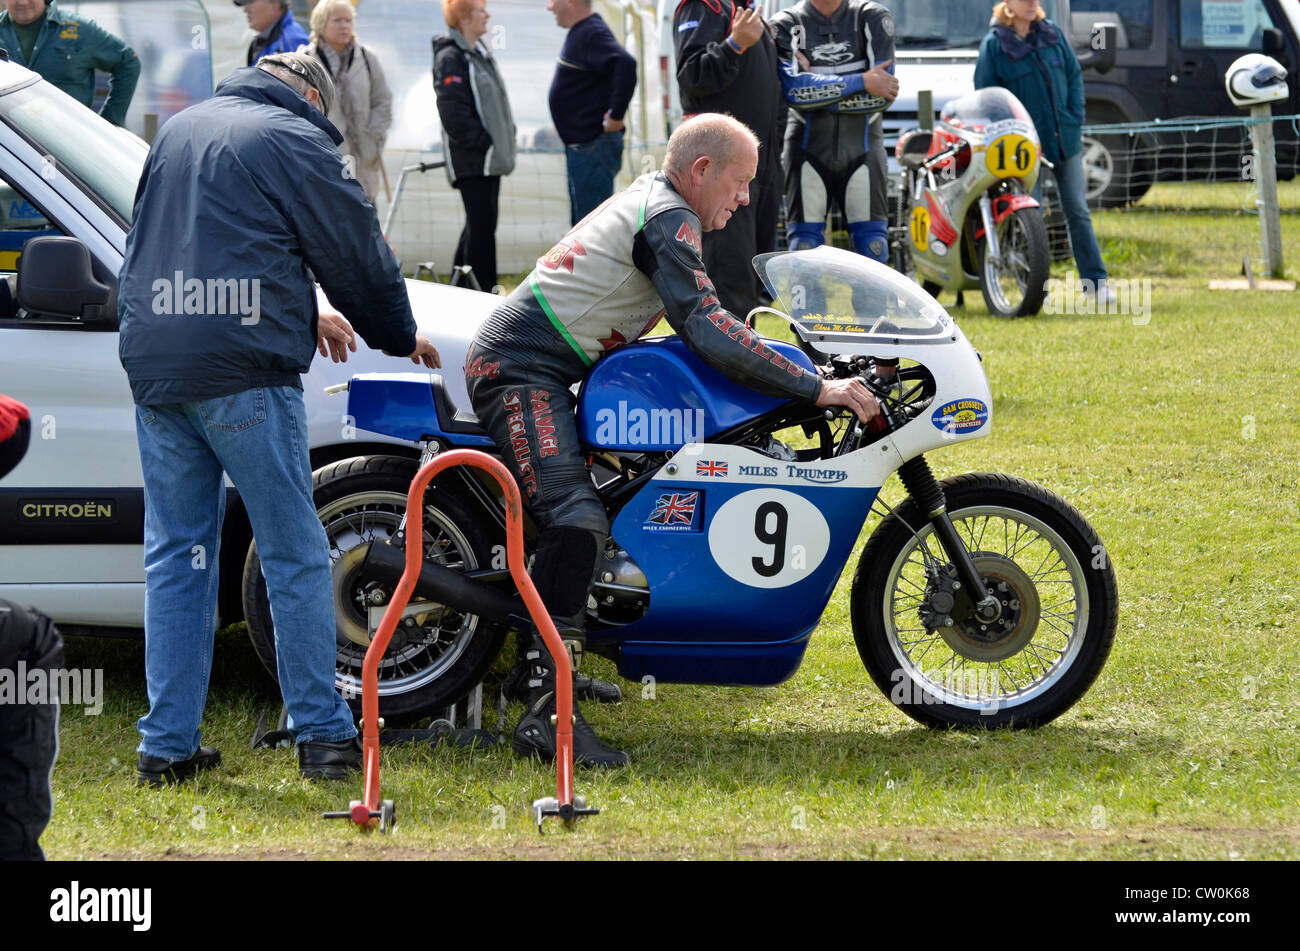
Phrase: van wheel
pixel 1113 174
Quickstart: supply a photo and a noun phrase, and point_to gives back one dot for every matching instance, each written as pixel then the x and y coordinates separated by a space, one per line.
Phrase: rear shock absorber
pixel 925 490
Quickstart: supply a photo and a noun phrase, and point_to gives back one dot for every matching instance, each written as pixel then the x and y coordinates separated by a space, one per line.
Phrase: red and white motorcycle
pixel 966 217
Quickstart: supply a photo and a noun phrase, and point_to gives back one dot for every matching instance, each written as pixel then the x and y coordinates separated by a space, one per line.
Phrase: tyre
pixel 1113 176
pixel 918 633
pixel 441 658
pixel 1016 285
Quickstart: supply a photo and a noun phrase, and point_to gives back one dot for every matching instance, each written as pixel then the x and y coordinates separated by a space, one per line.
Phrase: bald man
pixel 634 259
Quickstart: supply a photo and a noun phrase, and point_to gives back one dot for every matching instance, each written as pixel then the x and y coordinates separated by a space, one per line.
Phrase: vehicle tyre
pixel 1016 285
pixel 1038 555
pixel 1113 176
pixel 447 653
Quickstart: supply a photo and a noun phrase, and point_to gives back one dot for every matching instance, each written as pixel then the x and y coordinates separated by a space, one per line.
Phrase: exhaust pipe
pixel 385 563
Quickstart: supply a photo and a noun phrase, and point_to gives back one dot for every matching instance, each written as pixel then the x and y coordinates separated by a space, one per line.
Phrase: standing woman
pixel 478 130
pixel 1028 54
pixel 363 108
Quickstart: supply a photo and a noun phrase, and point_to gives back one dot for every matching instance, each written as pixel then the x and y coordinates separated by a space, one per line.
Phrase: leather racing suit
pixel 834 144
pixel 608 282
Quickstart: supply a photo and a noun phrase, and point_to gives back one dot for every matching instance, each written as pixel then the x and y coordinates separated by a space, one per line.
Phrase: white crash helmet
pixel 1255 79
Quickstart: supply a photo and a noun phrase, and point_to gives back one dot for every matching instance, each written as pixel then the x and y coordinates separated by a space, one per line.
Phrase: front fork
pixel 990 235
pixel 924 489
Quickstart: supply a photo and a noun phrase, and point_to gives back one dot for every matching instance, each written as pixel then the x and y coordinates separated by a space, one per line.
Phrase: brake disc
pixel 1007 635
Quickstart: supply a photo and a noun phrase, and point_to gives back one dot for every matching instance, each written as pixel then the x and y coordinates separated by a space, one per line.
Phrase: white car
pixel 71 513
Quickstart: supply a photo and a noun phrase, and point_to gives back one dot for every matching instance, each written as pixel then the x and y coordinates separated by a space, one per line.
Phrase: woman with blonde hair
pixel 363 107
pixel 1028 54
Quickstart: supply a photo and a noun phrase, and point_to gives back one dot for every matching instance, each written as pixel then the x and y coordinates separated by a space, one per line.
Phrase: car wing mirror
pixel 55 279
pixel 1102 47
pixel 1273 41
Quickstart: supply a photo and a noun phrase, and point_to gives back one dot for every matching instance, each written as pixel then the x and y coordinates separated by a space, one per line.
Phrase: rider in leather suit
pixel 837 63
pixel 606 283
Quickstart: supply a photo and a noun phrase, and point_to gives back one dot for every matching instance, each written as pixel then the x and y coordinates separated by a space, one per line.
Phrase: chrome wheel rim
pixel 1007 280
pixel 420 655
pixel 1098 168
pixel 1009 545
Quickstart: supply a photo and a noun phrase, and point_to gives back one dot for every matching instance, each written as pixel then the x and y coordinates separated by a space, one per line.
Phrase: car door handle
pixel 1189 67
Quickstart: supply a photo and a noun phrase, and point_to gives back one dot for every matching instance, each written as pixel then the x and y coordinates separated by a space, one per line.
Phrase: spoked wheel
pixel 931 653
pixel 441 656
pixel 1016 285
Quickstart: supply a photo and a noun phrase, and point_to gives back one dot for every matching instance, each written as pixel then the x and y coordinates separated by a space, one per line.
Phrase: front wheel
pixel 1016 285
pixel 929 651
pixel 441 656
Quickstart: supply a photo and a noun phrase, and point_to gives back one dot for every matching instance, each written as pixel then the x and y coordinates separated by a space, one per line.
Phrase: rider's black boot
pixel 515 687
pixel 535 734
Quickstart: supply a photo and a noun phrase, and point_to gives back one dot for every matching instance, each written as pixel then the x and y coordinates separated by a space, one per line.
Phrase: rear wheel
pixel 446 653
pixel 1016 285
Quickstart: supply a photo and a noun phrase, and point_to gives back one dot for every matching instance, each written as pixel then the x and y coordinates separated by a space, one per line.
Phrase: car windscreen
pixel 943 24
pixel 104 159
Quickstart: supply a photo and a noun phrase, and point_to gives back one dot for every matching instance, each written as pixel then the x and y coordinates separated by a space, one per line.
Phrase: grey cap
pixel 310 70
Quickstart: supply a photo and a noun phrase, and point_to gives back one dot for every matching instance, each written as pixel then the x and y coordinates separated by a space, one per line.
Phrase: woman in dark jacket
pixel 478 130
pixel 1029 55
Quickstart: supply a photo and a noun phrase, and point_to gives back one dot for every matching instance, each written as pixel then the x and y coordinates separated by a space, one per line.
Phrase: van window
pixel 1223 24
pixel 1133 16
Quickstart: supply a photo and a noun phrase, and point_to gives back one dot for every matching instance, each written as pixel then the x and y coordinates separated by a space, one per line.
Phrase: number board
pixel 769 538
pixel 1011 156
pixel 920 228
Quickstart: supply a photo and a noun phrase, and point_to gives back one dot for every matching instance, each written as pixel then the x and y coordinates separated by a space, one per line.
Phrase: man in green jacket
pixel 66 49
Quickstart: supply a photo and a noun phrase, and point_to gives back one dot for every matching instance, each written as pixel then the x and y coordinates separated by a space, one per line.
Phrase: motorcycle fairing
pixel 741 553
pixel 656 395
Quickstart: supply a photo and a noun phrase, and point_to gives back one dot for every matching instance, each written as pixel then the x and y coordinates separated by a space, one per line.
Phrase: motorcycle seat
pixel 913 148
pixel 450 419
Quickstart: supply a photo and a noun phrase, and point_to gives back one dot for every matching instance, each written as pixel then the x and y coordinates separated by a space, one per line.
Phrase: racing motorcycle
pixel 979 600
pixel 965 217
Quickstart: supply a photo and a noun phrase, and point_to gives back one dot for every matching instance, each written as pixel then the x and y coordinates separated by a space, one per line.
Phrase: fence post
pixel 925 109
pixel 1261 133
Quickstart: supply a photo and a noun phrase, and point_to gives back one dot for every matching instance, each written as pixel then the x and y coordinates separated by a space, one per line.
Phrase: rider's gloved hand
pixel 852 394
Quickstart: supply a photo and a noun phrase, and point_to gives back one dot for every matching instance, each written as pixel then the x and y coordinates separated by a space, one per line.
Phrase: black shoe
pixel 156 772
pixel 318 759
pixel 535 737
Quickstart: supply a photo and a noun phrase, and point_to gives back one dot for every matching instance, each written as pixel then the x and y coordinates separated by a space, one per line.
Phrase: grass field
pixel 1175 434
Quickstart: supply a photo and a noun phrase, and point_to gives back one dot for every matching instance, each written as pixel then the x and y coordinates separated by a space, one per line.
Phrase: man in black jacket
pixel 240 195
pixel 726 62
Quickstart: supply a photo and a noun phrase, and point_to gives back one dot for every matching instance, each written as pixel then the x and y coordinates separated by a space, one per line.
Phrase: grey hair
pixel 709 133
pixel 301 72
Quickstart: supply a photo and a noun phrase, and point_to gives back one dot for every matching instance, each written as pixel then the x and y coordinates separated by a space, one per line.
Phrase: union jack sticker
pixel 673 512
pixel 711 469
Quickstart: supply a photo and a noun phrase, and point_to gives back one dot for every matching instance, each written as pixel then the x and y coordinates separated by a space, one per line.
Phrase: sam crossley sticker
pixel 77 903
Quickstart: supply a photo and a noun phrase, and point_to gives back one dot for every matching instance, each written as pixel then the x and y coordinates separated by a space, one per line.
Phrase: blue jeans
pixel 591 168
pixel 1083 242
pixel 259 437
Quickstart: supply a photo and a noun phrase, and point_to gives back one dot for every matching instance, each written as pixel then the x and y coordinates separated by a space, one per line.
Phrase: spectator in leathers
pixel 726 62
pixel 1028 55
pixel 478 130
pixel 276 30
pixel 363 103
pixel 66 49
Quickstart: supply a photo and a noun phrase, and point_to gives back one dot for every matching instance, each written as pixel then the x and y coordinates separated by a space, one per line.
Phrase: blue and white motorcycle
pixel 981 600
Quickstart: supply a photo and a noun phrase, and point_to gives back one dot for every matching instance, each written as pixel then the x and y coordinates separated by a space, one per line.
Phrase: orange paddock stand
pixel 371 811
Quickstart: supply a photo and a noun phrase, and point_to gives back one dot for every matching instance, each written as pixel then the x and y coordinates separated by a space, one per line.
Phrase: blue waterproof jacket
pixel 240 195
pixel 1041 71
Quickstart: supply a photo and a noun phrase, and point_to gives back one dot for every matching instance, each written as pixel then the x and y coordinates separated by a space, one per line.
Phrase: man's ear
pixel 312 95
pixel 701 166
